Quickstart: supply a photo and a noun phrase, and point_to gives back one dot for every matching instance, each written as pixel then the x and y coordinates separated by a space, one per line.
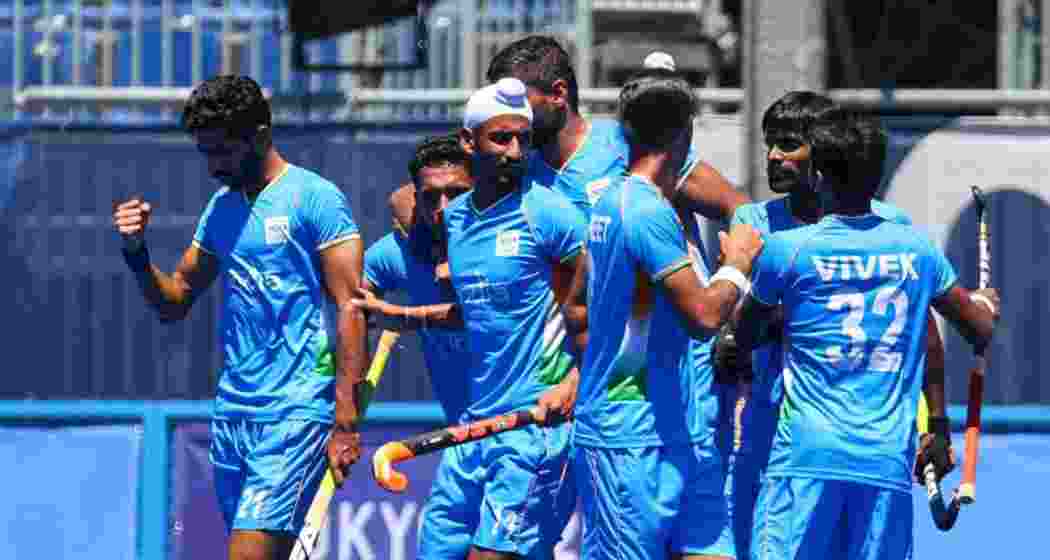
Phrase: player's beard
pixel 547 122
pixel 498 170
pixel 249 175
pixel 782 179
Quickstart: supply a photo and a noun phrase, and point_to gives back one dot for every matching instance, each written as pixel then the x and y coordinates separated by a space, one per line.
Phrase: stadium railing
pixel 157 419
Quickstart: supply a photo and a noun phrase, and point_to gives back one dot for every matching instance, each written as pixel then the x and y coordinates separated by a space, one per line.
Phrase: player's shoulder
pixel 890 212
pixel 311 182
pixel 801 238
pixel 641 200
pixel 224 199
pixel 753 213
pixel 222 195
pixel 542 200
pixel 605 126
pixel 386 247
pixel 458 204
pixel 385 264
pixel 606 133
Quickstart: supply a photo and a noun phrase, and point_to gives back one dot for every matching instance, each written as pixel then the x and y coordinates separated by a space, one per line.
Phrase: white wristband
pixel 735 277
pixel 981 298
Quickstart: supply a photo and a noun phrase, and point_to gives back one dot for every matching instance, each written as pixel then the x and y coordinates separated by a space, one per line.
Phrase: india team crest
pixel 277 230
pixel 508 243
pixel 596 188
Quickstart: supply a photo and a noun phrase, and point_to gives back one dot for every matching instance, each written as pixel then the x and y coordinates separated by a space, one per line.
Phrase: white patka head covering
pixel 659 59
pixel 505 97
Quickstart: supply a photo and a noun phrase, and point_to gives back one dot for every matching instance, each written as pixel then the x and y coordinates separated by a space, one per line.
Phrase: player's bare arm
pixel 974 314
pixel 933 382
pixel 171 295
pixel 408 318
pixel 342 265
pixel 708 193
pixel 574 305
pixel 936 444
pixel 705 310
pixel 571 285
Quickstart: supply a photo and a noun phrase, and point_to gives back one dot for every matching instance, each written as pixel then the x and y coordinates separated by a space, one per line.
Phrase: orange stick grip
pixel 973 423
pixel 383 466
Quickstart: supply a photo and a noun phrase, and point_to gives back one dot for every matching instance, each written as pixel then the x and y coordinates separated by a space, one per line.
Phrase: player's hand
pixel 369 303
pixel 740 246
pixel 344 449
pixel 558 403
pixel 441 272
pixel 130 218
pixel 936 449
pixel 730 365
pixel 989 299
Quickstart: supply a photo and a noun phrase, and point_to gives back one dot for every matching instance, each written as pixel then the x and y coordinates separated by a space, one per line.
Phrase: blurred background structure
pixel 104 410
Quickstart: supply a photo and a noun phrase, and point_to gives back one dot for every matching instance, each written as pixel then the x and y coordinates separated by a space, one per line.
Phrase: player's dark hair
pixel 538 61
pixel 436 151
pixel 235 103
pixel 794 114
pixel 850 149
pixel 655 106
pixel 871 158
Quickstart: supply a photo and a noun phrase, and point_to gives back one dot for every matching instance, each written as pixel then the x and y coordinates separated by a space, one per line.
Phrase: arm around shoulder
pixel 708 193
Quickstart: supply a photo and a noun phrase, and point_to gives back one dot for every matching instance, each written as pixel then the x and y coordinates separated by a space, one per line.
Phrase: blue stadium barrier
pixel 157 419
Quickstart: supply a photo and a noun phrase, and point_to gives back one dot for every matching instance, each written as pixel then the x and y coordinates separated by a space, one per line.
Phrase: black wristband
pixel 137 261
pixel 939 425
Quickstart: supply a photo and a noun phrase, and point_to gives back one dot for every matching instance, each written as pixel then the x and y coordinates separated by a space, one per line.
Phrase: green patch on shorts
pixel 628 387
pixel 325 364
pixel 554 366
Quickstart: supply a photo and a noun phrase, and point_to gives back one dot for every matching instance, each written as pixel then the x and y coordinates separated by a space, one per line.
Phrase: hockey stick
pixel 945 516
pixel 317 515
pixel 437 440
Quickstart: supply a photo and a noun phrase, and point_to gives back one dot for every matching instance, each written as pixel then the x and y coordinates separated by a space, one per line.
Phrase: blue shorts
pixel 267 473
pixel 645 502
pixel 511 492
pixel 813 518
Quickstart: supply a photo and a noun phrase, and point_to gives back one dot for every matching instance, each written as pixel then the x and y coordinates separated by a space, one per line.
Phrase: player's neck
pixel 272 168
pixel 804 204
pixel 569 139
pixel 850 207
pixel 655 167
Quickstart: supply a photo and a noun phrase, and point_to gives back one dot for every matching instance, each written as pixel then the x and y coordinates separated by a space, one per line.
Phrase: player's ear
pixel 262 139
pixel 466 140
pixel 560 89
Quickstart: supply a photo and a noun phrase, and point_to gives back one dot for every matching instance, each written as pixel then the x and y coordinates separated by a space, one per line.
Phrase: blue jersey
pixel 769 217
pixel 855 292
pixel 639 386
pixel 277 327
pixel 597 162
pixel 391 265
pixel 501 260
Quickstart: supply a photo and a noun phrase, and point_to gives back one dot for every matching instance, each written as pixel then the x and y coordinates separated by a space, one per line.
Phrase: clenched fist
pixel 130 218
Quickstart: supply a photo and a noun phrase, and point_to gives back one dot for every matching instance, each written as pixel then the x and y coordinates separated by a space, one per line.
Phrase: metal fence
pixel 90 44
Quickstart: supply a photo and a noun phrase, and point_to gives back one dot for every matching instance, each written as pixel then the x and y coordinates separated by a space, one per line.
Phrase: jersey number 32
pixel 852 356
